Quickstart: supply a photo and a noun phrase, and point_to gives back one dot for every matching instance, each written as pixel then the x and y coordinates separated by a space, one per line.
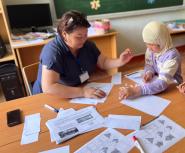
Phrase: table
pixel 10 136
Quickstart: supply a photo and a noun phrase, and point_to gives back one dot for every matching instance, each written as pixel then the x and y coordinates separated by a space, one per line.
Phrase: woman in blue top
pixel 68 60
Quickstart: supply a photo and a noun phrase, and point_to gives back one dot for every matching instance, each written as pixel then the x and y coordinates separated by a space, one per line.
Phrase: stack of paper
pixel 106 87
pixel 71 124
pixel 31 129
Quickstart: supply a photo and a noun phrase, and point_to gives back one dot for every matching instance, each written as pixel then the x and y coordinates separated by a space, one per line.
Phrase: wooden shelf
pixel 8 57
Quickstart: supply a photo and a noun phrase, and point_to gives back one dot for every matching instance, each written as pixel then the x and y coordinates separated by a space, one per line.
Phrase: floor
pixel 135 64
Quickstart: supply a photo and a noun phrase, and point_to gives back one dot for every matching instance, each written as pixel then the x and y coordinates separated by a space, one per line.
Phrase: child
pixel 161 60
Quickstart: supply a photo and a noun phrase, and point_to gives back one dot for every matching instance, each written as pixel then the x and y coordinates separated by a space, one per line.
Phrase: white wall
pixel 129 28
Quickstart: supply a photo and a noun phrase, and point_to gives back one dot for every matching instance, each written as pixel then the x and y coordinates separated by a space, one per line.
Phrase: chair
pixel 30 75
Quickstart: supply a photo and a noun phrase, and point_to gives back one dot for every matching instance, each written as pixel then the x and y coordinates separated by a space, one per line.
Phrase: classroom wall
pixel 129 28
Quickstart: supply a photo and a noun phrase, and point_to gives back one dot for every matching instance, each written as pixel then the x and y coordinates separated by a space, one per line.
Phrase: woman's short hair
pixel 72 20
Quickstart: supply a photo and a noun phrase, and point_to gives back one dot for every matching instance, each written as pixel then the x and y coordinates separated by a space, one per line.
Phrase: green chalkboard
pixel 111 6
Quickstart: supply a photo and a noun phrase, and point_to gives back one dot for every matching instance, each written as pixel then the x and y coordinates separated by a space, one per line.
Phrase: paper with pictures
pixel 64 149
pixel 152 105
pixel 106 87
pixel 109 141
pixel 123 122
pixel 83 120
pixel 159 135
pixel 116 78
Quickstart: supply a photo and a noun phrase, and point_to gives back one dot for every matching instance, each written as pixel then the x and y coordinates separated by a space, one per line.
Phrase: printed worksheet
pixel 109 141
pixel 159 135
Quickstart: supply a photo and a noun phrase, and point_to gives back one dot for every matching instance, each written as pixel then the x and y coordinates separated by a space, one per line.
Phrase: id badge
pixel 84 76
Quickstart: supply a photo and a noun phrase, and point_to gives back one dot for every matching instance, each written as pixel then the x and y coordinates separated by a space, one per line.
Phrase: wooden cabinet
pixel 5 35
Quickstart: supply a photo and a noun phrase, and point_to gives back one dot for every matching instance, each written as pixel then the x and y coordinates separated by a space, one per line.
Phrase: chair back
pixel 30 75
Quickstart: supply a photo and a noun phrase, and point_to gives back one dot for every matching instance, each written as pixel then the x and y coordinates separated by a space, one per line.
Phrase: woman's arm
pixel 50 84
pixel 108 63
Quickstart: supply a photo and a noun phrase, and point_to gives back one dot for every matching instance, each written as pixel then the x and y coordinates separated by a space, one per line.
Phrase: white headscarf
pixel 157 33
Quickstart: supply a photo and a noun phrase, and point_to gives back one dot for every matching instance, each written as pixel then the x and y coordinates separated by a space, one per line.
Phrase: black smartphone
pixel 13 117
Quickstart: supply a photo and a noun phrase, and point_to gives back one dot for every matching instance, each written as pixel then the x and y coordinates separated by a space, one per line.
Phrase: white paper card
pixel 123 122
pixel 64 149
pixel 116 78
pixel 152 105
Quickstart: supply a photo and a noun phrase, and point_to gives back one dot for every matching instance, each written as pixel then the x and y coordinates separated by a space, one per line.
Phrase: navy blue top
pixel 57 57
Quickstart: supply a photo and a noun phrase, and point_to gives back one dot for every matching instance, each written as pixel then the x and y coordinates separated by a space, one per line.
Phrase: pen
pixel 132 73
pixel 137 144
pixel 51 108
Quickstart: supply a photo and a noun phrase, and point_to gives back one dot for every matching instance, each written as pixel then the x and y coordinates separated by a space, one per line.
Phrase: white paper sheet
pixel 109 141
pixel 83 120
pixel 66 112
pixel 64 149
pixel 106 87
pixel 27 42
pixel 31 129
pixel 136 76
pixel 123 122
pixel 159 135
pixel 116 78
pixel 152 105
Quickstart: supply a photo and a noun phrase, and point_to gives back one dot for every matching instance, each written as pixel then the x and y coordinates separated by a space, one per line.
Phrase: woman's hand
pixel 129 92
pixel 93 93
pixel 181 88
pixel 147 77
pixel 125 56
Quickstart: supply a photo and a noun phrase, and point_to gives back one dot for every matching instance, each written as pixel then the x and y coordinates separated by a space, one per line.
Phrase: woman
pixel 161 60
pixel 68 60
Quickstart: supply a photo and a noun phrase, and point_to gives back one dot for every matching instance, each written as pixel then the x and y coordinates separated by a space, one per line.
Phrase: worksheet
pixel 109 141
pixel 159 135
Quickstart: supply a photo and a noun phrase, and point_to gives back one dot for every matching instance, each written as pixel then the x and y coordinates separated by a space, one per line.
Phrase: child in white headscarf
pixel 161 60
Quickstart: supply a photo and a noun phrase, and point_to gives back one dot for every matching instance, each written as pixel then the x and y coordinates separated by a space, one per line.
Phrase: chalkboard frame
pixel 138 10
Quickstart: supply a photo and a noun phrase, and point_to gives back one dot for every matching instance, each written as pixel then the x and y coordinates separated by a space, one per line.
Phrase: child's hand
pixel 181 88
pixel 125 56
pixel 129 92
pixel 147 77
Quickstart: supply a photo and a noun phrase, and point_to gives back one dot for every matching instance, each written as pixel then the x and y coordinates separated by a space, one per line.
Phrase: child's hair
pixel 72 20
pixel 157 33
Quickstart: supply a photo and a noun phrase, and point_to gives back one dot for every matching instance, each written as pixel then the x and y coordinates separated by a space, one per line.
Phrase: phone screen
pixel 14 117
